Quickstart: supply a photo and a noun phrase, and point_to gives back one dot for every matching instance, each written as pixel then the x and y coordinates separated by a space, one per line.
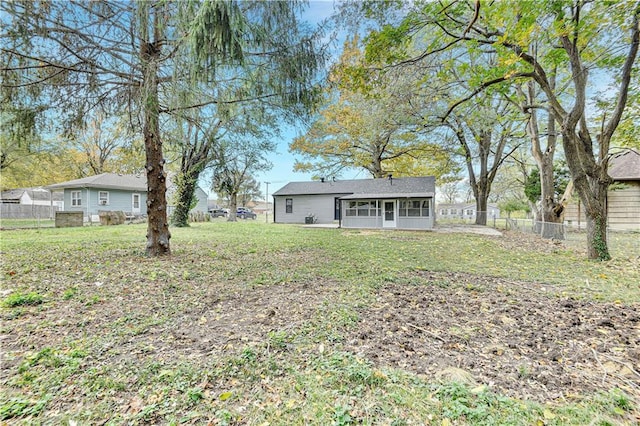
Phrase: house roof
pixel 625 165
pixel 11 195
pixel 106 181
pixel 368 188
pixel 14 195
pixel 389 195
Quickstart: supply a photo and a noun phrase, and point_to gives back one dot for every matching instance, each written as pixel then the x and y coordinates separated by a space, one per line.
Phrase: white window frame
pixel 76 198
pixel 288 205
pixel 363 208
pixel 103 196
pixel 415 207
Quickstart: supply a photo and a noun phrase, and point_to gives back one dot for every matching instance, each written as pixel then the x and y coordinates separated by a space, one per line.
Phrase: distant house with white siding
pixel 464 211
pixel 393 203
pixel 32 197
pixel 29 203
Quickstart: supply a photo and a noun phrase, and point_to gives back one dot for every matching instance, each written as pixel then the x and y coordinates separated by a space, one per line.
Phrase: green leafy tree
pixel 514 205
pixel 529 41
pixel 370 127
pixel 249 191
pixel 486 138
pixel 237 160
pixel 533 189
pixel 138 57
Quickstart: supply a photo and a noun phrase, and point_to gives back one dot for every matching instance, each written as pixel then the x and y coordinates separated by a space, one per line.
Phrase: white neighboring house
pixel 464 211
pixel 32 197
pixel 25 203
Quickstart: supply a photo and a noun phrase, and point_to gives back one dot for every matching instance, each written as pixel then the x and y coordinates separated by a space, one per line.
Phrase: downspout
pixel 88 202
pixel 274 208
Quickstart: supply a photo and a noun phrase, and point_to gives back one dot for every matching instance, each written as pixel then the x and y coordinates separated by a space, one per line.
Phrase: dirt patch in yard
pixel 518 338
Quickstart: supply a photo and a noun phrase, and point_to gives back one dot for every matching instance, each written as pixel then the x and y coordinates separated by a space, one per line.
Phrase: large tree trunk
pixel 481 207
pixel 157 225
pixel 591 185
pixel 591 181
pixel 185 189
pixel 233 207
pixel 548 212
pixel 550 225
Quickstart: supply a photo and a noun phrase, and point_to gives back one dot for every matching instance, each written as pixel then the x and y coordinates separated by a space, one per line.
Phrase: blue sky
pixel 282 171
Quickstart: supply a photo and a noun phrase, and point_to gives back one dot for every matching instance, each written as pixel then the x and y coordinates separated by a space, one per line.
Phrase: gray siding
pixel 321 206
pixel 415 222
pixel 361 222
pixel 402 222
pixel 201 196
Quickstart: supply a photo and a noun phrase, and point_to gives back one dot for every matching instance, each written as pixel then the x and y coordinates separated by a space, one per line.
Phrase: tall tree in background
pixel 530 40
pixel 99 141
pixel 197 139
pixel 486 136
pixel 549 211
pixel 237 160
pixel 264 77
pixel 370 126
pixel 128 56
pixel 249 192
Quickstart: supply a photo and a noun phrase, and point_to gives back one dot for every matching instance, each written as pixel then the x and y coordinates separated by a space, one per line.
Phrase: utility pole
pixel 266 207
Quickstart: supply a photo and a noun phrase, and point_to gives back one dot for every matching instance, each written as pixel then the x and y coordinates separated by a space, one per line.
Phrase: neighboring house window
pixel 289 205
pixel 469 212
pixel 136 201
pixel 103 198
pixel 443 212
pixel 415 208
pixel 76 198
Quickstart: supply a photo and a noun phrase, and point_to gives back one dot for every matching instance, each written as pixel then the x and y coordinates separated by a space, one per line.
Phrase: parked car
pixel 245 213
pixel 218 213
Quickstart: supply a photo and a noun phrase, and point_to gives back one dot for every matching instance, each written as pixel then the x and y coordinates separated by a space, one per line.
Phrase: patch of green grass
pixel 134 370
pixel 23 299
pixel 70 293
pixel 16 407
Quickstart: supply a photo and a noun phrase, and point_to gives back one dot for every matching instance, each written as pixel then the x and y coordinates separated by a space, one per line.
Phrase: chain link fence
pixel 15 216
pixel 621 242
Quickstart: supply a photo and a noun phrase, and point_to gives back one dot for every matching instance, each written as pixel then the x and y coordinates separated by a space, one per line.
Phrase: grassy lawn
pixel 26 223
pixel 254 323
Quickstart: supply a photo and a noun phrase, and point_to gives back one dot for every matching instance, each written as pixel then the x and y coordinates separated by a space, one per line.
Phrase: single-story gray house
pixel 400 203
pixel 112 192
